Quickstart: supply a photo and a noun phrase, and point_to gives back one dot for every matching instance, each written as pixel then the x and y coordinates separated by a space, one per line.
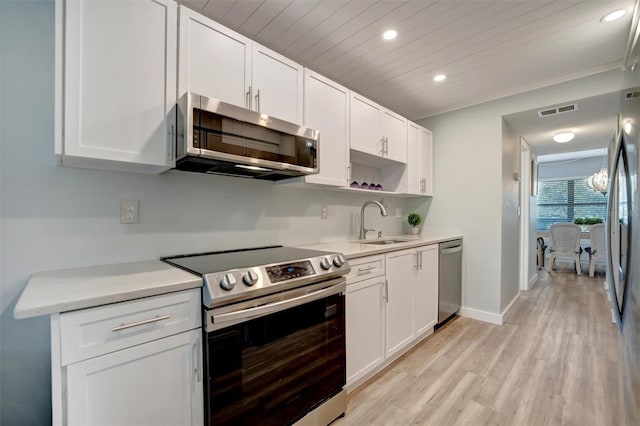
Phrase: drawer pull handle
pixel 368 268
pixel 143 322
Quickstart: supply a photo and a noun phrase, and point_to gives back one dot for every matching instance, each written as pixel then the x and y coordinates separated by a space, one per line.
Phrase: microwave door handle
pixel 258 311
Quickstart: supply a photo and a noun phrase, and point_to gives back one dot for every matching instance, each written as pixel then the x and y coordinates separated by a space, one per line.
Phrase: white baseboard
pixel 508 311
pixel 532 281
pixel 479 315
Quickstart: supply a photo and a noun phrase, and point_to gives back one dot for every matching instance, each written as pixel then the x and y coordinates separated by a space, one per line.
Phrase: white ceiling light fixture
pixel 440 77
pixel 563 137
pixel 390 34
pixel 613 16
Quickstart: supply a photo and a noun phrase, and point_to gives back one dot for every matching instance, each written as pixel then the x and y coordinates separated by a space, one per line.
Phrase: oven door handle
pixel 269 308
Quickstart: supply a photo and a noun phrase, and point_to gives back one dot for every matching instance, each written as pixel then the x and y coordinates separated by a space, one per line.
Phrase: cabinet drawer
pixel 365 267
pixel 91 332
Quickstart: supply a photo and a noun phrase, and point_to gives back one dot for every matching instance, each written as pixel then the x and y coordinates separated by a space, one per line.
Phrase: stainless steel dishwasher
pixel 450 280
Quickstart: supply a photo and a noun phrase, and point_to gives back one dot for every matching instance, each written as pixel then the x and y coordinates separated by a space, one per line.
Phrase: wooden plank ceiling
pixel 487 49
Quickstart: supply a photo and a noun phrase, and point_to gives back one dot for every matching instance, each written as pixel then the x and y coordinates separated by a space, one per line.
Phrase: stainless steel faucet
pixel 363 230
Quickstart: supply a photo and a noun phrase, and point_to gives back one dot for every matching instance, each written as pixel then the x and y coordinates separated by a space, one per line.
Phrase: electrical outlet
pixel 129 210
pixel 324 213
pixel 398 212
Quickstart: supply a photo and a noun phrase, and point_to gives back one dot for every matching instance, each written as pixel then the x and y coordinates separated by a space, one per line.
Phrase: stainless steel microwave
pixel 220 138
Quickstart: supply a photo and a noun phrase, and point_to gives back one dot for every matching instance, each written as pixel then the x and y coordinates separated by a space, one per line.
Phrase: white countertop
pixel 52 292
pixel 353 249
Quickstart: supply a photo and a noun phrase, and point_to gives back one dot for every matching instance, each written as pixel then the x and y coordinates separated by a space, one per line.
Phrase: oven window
pixel 274 369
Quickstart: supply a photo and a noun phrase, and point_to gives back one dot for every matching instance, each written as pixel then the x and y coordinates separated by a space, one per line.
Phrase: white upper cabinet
pixel 366 125
pixel 277 87
pixel 220 63
pixel 376 130
pixel 214 61
pixel 419 172
pixel 326 108
pixel 394 131
pixel 115 84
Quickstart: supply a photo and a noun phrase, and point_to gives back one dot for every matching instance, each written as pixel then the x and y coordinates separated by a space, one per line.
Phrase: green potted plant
pixel 414 221
pixel 586 222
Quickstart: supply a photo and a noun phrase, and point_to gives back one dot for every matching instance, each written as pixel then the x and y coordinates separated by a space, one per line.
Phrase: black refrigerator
pixel 623 238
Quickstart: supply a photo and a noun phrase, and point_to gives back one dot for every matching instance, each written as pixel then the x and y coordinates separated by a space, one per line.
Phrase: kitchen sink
pixel 382 242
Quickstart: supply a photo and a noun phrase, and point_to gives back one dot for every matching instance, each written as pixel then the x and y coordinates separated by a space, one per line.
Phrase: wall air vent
pixel 557 110
pixel 631 95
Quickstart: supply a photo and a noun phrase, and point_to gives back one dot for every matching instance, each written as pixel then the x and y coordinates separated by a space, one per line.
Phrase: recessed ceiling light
pixel 612 16
pixel 390 34
pixel 563 137
pixel 439 77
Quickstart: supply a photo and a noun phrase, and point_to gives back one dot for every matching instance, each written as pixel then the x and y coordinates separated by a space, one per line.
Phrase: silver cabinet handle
pixel 198 360
pixel 386 145
pixel 258 101
pixel 367 269
pixel 386 291
pixel 143 322
pixel 382 145
pixel 250 98
pixel 420 259
pixel 171 143
pixel 247 99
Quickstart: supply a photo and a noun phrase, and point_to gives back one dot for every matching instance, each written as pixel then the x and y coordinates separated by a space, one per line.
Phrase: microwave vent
pixel 557 110
pixel 631 95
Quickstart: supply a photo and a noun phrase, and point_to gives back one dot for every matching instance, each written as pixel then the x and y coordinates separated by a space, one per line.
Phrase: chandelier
pixel 599 181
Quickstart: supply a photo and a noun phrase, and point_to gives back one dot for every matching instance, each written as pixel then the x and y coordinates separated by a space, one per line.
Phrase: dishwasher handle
pixel 450 250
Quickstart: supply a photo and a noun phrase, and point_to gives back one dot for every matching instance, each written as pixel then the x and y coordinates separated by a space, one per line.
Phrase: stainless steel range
pixel 275 330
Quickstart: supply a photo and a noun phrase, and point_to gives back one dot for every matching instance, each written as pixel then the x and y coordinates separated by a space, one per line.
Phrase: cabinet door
pixel 413 158
pixel 401 267
pixel 426 162
pixel 277 85
pixel 426 289
pixel 326 108
pixel 119 83
pixel 214 61
pixel 157 383
pixel 394 129
pixel 365 327
pixel 366 125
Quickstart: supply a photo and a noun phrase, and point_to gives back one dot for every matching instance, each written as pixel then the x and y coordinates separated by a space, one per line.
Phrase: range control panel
pixel 289 271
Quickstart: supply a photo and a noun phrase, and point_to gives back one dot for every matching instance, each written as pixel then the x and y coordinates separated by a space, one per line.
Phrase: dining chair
pixel 597 251
pixel 565 242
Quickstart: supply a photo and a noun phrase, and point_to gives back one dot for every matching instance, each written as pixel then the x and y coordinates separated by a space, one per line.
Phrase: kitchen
pixel 57 218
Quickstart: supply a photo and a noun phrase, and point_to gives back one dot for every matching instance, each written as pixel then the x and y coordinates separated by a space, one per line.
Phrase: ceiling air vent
pixel 557 110
pixel 631 95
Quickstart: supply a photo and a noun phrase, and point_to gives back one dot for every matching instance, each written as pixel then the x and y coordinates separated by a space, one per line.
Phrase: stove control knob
pixel 325 263
pixel 250 278
pixel 228 282
pixel 338 260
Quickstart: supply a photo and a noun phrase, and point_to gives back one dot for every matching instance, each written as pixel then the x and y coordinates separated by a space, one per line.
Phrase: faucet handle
pixel 379 234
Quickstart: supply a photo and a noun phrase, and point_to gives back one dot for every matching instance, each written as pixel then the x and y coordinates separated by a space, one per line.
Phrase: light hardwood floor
pixel 554 362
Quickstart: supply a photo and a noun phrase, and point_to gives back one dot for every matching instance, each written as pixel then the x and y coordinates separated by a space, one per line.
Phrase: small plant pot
pixel 414 230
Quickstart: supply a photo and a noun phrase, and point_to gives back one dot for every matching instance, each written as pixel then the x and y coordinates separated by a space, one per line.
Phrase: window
pixel 565 200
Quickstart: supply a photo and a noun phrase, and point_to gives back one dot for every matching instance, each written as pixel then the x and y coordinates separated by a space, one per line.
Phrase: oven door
pixel 283 361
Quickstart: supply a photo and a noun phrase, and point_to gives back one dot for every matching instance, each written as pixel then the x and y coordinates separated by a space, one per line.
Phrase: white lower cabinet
pixel 426 300
pixel 392 304
pixel 401 266
pixel 132 363
pixel 156 383
pixel 365 328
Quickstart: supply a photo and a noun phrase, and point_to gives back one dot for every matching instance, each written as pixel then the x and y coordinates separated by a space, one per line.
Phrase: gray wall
pixel 468 179
pixel 510 243
pixel 55 218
